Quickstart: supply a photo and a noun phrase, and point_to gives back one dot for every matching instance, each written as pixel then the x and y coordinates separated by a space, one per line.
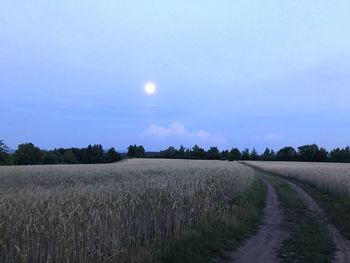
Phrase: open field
pixel 327 183
pixel 332 177
pixel 109 212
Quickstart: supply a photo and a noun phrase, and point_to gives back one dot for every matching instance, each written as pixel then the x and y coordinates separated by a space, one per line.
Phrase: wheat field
pixel 333 177
pixel 109 212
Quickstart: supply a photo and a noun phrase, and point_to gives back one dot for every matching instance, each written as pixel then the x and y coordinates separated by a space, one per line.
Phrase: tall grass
pixel 111 212
pixel 331 177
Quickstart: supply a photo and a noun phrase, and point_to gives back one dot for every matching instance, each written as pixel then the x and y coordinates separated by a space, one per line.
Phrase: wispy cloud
pixel 177 132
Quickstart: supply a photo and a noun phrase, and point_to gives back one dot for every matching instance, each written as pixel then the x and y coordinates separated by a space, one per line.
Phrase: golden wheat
pixel 109 212
pixel 333 177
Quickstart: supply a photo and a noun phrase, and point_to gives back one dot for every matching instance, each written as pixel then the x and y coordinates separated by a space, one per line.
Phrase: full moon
pixel 150 88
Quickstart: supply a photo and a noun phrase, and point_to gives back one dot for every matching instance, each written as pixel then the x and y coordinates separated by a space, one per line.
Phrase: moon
pixel 150 88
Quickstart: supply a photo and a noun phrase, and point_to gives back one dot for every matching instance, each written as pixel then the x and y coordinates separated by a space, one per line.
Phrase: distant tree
pixel 131 151
pixel 170 152
pixel 188 154
pixel 140 151
pixel 245 154
pixel 113 156
pixel 27 154
pixel 254 156
pixel 49 157
pixel 312 153
pixel 340 155
pixel 225 155
pixel 213 153
pixel 97 154
pixel 235 154
pixel 198 153
pixel 268 155
pixel 322 155
pixel 286 154
pixel 273 155
pixel 69 157
pixel 3 152
pixel 181 153
pixel 136 151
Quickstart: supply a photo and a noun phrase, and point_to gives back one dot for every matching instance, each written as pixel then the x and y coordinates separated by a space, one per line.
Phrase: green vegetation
pixel 136 151
pixel 206 241
pixel 28 154
pixel 309 241
pixel 336 206
pixel 3 153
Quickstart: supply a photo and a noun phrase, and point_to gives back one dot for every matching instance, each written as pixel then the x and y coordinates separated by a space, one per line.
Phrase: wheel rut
pixel 342 254
pixel 262 247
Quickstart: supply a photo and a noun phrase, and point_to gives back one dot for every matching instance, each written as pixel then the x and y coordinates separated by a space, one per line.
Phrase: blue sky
pixel 228 73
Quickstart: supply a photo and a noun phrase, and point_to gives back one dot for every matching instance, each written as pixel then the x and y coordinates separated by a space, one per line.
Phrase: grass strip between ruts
pixel 309 240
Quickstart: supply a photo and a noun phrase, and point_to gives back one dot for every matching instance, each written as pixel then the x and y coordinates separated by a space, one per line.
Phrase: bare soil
pixel 263 247
pixel 342 244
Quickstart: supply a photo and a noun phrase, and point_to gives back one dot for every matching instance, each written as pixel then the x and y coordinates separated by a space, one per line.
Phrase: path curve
pixel 262 247
pixel 342 254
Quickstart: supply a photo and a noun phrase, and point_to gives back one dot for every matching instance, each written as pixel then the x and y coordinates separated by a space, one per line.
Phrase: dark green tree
pixel 171 152
pixel 235 154
pixel 286 154
pixel 97 154
pixel 132 151
pixel 27 154
pixel 69 157
pixel 198 153
pixel 49 157
pixel 312 153
pixel 245 154
pixel 254 156
pixel 140 151
pixel 322 155
pixel 3 152
pixel 213 153
pixel 136 151
pixel 225 155
pixel 268 155
pixel 340 155
pixel 113 156
pixel 181 153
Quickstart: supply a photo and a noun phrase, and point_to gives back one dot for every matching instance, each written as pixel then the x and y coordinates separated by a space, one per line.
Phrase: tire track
pixel 342 254
pixel 263 247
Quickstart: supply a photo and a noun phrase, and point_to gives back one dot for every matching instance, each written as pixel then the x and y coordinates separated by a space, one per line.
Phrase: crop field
pixel 332 177
pixel 110 212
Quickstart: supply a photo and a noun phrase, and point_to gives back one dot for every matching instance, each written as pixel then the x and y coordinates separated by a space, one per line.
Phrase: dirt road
pixel 263 246
pixel 342 254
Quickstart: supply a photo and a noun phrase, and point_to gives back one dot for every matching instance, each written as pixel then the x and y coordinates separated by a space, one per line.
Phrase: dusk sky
pixel 228 73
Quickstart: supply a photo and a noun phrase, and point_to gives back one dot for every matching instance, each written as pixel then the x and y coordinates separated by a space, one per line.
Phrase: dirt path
pixel 342 244
pixel 263 247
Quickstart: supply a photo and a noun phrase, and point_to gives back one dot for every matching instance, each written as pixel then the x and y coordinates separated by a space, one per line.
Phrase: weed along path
pixel 342 254
pixel 263 247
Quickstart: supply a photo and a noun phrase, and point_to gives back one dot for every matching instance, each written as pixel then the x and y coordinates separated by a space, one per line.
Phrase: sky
pixel 228 73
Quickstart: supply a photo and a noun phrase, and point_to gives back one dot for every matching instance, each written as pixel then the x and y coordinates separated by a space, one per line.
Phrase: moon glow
pixel 150 88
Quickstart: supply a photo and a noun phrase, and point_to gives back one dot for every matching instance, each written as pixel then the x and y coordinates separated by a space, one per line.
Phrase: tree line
pixel 29 154
pixel 305 153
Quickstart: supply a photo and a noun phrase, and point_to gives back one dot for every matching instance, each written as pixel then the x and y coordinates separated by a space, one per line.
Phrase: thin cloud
pixel 177 132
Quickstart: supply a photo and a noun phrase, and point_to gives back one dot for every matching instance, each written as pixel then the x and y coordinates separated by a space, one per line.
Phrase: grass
pixel 112 212
pixel 337 207
pixel 309 240
pixel 206 241
pixel 327 183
